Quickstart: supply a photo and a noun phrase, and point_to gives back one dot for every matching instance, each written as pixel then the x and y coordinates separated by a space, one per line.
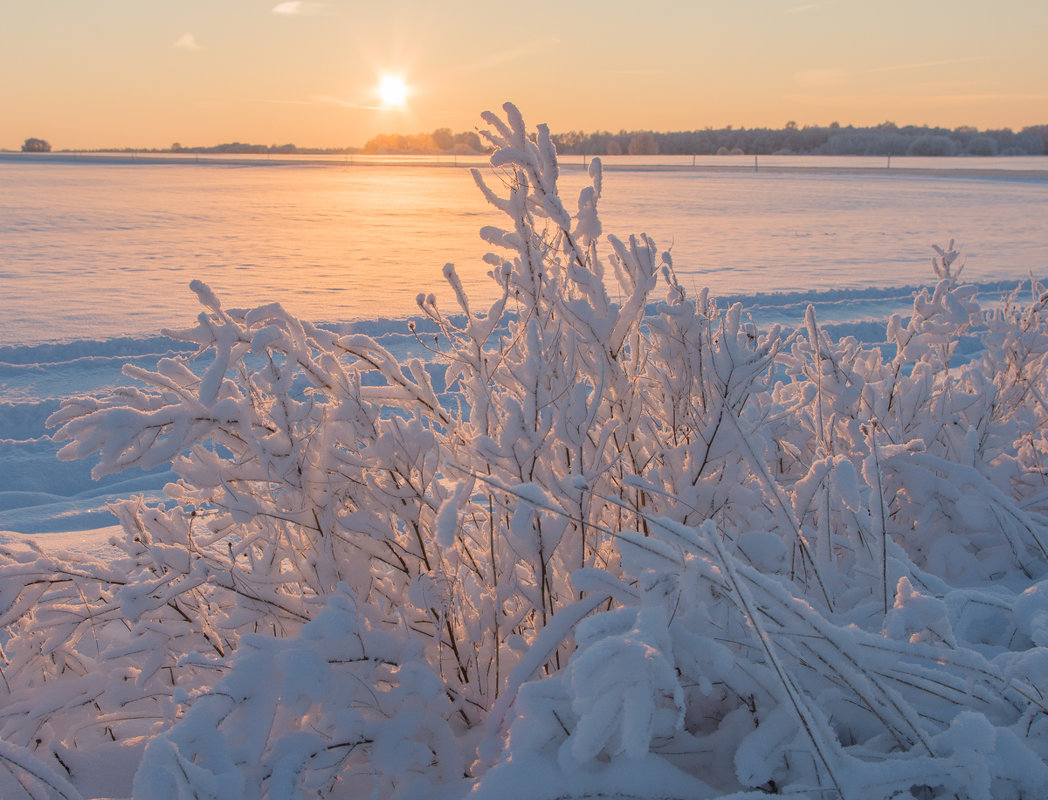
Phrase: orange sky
pixel 146 74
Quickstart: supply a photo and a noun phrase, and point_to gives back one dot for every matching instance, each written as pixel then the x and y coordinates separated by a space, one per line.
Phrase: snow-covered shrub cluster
pixel 620 542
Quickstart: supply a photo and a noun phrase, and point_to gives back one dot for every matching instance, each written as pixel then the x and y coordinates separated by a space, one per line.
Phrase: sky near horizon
pixel 145 73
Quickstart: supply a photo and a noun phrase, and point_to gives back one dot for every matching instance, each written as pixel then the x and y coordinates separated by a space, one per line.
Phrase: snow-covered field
pixel 588 542
pixel 95 250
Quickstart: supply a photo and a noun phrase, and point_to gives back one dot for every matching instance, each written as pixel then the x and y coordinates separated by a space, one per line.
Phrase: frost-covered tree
pixel 34 145
pixel 931 145
pixel 629 547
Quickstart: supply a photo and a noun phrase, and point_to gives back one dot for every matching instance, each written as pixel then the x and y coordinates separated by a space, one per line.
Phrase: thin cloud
pixel 642 73
pixel 923 64
pixel 519 52
pixel 906 100
pixel 299 8
pixel 820 78
pixel 806 7
pixel 987 97
pixel 324 100
pixel 319 100
pixel 950 87
pixel 186 42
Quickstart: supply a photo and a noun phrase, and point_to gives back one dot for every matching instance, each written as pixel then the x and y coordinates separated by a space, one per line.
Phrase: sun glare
pixel 392 91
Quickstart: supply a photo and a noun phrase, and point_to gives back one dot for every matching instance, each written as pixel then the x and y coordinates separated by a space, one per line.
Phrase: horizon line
pixel 318 149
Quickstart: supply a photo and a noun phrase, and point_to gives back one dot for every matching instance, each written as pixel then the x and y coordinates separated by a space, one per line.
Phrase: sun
pixel 393 91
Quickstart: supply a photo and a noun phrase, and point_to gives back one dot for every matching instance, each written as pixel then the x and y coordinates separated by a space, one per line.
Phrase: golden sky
pixel 147 73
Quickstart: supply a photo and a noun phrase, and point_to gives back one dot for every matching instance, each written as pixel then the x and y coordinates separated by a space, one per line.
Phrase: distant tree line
pixel 227 148
pixel 241 148
pixel 882 140
pixel 886 139
pixel 441 140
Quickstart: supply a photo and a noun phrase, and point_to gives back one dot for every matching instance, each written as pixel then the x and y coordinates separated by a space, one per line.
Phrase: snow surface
pixel 103 250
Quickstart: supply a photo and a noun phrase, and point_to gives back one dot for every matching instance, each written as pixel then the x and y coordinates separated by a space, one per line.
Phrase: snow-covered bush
pixel 622 548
